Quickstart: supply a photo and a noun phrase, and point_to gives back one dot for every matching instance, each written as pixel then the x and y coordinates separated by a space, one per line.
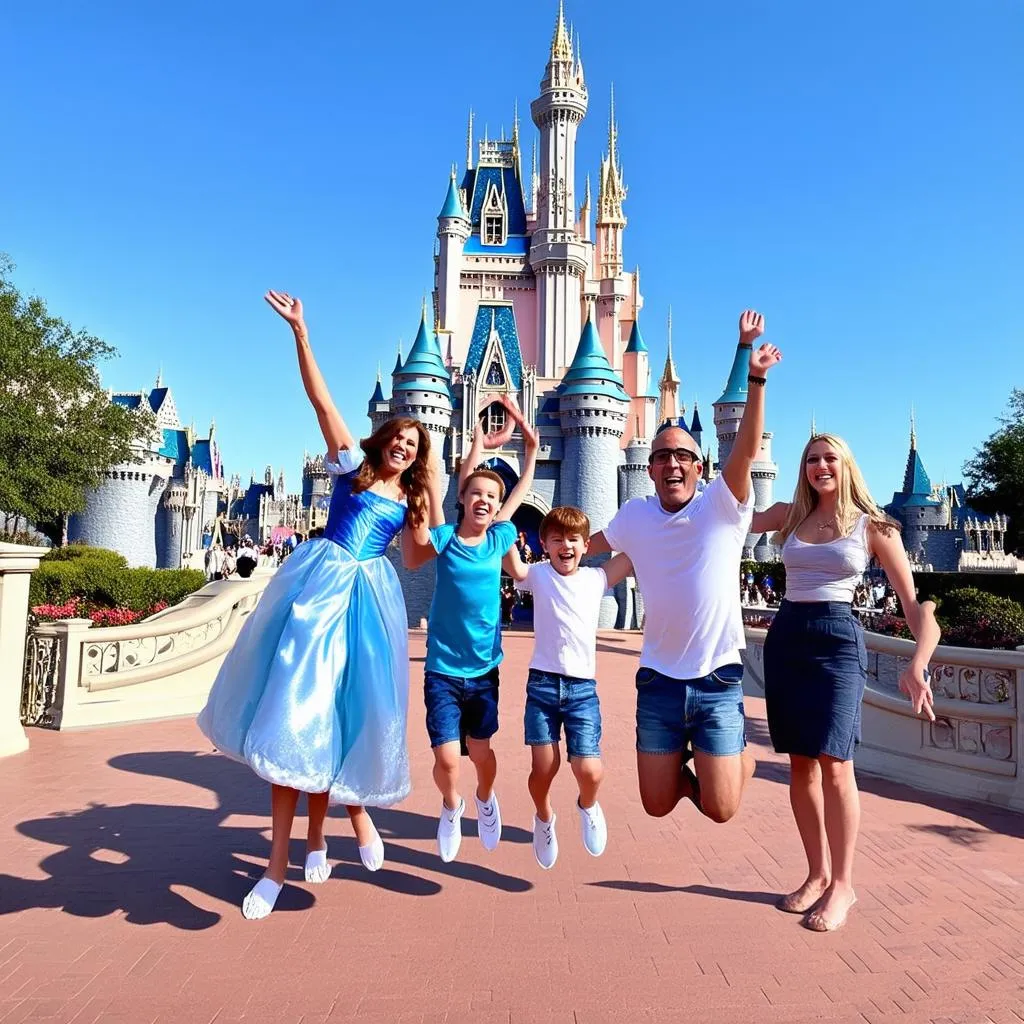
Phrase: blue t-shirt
pixel 464 628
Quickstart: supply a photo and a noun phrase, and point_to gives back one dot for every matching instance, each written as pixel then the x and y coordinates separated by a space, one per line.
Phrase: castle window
pixel 493 230
pixel 495 374
pixel 492 419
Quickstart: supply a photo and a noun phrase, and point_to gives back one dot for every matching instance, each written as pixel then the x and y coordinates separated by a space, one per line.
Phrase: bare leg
pixel 722 781
pixel 842 820
pixel 588 771
pixel 316 809
pixel 486 765
pixel 362 824
pixel 546 760
pixel 446 773
pixel 805 797
pixel 283 801
pixel 662 782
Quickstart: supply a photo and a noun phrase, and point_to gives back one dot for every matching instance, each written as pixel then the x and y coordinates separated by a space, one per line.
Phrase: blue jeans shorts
pixel 707 712
pixel 553 701
pixel 458 707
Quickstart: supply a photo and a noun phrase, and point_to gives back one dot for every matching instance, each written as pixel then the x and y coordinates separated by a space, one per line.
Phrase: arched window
pixel 495 374
pixel 492 419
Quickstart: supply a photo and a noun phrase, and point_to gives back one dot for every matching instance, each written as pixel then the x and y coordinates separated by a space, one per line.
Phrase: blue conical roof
pixel 424 368
pixel 590 372
pixel 452 203
pixel 695 427
pixel 398 364
pixel 636 339
pixel 378 394
pixel 736 387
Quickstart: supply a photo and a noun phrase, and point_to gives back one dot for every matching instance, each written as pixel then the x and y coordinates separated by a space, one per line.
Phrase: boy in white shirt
pixel 561 690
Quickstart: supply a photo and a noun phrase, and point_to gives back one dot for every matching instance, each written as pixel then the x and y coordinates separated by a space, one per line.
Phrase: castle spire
pixel 469 142
pixel 561 44
pixel 398 361
pixel 913 432
pixel 814 425
pixel 160 376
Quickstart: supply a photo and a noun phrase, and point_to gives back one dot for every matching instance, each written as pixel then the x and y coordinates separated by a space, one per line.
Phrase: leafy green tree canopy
pixel 58 428
pixel 995 473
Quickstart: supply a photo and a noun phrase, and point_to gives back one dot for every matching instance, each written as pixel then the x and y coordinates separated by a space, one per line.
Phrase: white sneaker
pixel 488 821
pixel 593 828
pixel 545 842
pixel 449 831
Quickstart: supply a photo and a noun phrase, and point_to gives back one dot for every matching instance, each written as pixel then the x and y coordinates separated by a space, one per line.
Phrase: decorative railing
pixel 975 746
pixel 69 659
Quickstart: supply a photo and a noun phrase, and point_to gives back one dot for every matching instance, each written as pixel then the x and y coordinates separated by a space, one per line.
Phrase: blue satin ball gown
pixel 314 693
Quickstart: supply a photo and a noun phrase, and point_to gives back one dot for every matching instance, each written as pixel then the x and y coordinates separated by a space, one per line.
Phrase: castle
pixel 161 505
pixel 531 298
pixel 941 532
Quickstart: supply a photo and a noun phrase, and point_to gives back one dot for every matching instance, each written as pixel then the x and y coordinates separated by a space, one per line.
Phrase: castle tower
pixel 422 388
pixel 592 409
pixel 728 411
pixel 558 256
pixel 453 228
pixel 121 511
pixel 634 482
pixel 171 539
pixel 670 413
pixel 378 408
pixel 613 287
pixel 636 375
pixel 696 429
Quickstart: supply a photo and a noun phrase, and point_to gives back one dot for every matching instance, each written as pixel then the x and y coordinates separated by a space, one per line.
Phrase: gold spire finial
pixel 612 130
pixel 913 431
pixel 561 44
pixel 814 425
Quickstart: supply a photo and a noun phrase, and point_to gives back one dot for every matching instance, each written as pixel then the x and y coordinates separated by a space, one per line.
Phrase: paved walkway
pixel 125 852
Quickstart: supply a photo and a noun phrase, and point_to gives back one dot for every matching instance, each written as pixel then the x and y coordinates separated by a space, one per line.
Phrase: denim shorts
pixel 672 714
pixel 458 707
pixel 553 701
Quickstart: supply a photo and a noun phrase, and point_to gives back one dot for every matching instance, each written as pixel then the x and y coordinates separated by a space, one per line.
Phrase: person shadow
pixel 145 859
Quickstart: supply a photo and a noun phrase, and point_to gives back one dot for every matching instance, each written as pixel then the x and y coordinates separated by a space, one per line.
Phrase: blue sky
pixel 853 170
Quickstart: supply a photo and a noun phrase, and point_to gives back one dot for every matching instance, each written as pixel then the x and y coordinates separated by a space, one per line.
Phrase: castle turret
pixel 670 412
pixel 634 482
pixel 422 387
pixel 696 429
pixel 453 228
pixel 592 408
pixel 728 412
pixel 558 256
pixel 378 408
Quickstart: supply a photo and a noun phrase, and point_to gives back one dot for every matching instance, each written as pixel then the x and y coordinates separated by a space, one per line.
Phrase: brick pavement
pixel 125 852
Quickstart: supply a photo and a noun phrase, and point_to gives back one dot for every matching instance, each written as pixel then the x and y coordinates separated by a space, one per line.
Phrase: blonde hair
pixel 854 496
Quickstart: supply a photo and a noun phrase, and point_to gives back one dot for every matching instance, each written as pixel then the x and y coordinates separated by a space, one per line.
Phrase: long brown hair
pixel 854 496
pixel 413 479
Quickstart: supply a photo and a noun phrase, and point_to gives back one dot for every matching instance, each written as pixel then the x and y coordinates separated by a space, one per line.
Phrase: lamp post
pixel 189 510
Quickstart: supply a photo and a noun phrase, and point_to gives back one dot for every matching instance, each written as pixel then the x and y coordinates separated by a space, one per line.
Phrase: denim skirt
pixel 815 668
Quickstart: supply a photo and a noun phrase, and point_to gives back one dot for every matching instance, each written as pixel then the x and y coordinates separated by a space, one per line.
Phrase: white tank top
pixel 826 572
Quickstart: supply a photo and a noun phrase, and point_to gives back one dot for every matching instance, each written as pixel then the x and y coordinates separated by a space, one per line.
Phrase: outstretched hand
pixel 285 306
pixel 763 359
pixel 751 326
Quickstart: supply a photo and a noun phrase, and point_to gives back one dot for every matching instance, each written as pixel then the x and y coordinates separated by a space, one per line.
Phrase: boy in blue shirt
pixel 464 634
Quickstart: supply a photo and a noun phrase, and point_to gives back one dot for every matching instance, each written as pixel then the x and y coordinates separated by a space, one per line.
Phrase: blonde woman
pixel 815 661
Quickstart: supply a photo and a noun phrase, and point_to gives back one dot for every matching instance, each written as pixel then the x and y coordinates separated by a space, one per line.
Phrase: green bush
pixel 973 618
pixel 776 570
pixel 102 579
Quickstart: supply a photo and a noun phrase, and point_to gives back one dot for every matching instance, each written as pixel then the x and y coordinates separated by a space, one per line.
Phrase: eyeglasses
pixel 682 455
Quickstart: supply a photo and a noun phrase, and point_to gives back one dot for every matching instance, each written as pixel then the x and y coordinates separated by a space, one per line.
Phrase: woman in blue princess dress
pixel 313 694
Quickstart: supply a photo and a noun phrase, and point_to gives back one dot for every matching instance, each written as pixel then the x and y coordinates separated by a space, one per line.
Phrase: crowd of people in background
pixel 873 593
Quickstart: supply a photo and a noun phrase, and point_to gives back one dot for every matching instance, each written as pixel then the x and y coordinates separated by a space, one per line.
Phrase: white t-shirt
pixel 687 566
pixel 565 613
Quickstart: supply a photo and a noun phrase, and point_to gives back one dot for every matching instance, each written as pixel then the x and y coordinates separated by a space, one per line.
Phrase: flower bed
pixel 76 608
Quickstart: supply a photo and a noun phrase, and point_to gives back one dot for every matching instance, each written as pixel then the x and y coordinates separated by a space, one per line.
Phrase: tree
pixel 58 428
pixel 995 474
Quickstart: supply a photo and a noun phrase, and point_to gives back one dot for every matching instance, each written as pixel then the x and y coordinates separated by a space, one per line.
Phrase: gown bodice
pixel 364 524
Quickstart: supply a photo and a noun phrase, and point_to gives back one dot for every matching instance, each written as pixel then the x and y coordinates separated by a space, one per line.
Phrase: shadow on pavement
pixel 140 859
pixel 746 895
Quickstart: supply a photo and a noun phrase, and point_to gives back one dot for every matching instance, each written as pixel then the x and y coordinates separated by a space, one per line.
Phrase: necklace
pixel 828 524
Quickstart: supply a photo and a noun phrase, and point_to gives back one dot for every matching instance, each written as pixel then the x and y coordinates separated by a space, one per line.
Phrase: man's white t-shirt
pixel 565 614
pixel 687 566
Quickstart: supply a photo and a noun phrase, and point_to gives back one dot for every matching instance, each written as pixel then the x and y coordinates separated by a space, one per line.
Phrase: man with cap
pixel 686 546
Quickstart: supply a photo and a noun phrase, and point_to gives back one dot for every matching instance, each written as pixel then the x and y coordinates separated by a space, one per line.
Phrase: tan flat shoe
pixel 817 922
pixel 798 902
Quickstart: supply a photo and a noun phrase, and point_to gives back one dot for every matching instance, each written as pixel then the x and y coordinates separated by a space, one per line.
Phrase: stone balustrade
pixel 80 675
pixel 975 747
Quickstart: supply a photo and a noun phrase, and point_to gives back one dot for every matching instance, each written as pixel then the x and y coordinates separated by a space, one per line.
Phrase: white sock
pixel 317 868
pixel 261 899
pixel 372 855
